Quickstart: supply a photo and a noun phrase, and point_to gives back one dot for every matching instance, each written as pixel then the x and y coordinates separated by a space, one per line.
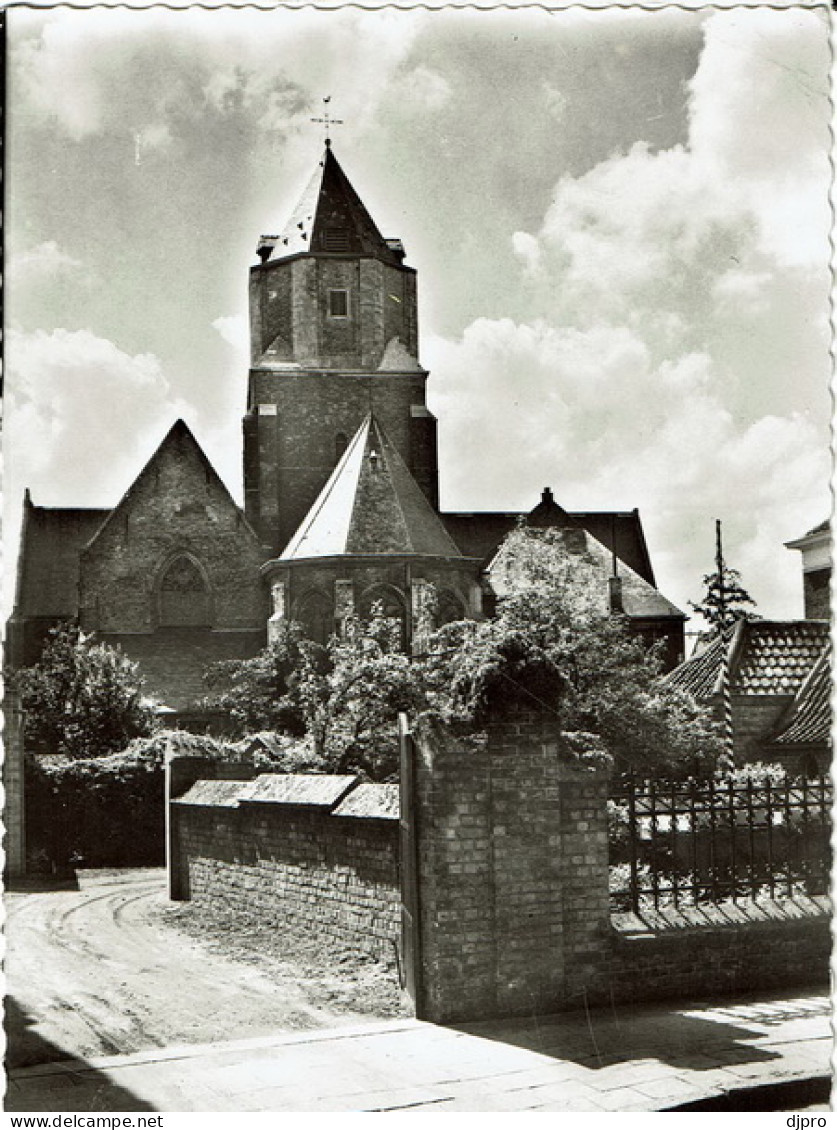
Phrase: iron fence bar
pixel 655 878
pixel 803 841
pixel 633 834
pixel 694 832
pixel 733 862
pixel 713 876
pixel 673 818
pixel 751 820
pixel 771 871
pixel 788 841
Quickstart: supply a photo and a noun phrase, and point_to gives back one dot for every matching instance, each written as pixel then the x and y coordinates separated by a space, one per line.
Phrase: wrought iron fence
pixel 690 843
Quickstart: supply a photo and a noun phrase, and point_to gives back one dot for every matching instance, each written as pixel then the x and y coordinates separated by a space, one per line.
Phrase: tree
pixel 725 601
pixel 351 705
pixel 555 645
pixel 344 697
pixel 257 693
pixel 81 699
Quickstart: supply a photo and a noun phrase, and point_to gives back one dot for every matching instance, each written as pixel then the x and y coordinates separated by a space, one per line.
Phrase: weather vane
pixel 327 120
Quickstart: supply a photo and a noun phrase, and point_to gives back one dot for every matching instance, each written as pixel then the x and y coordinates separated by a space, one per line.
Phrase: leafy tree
pixel 257 693
pixel 555 645
pixel 725 601
pixel 351 704
pixel 81 699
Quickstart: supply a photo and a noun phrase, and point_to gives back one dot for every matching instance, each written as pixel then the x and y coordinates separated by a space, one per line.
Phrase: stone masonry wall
pixel 337 876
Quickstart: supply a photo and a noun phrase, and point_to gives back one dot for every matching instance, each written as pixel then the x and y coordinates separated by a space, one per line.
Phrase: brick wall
pixel 511 845
pixel 306 864
pixel 720 950
pixel 513 882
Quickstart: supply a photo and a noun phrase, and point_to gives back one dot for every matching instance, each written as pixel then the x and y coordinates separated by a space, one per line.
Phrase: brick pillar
pixel 513 877
pixel 14 838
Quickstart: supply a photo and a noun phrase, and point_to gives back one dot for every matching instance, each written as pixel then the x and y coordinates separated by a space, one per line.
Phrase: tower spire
pixel 327 121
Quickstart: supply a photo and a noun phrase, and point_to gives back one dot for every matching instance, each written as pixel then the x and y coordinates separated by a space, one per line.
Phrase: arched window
pixel 448 608
pixel 315 612
pixel 389 602
pixel 184 596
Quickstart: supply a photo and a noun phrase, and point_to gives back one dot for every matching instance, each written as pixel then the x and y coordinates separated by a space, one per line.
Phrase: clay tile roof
pixel 371 505
pixel 767 657
pixel 371 800
pixel 700 674
pixel 808 721
pixel 778 655
pixel 318 791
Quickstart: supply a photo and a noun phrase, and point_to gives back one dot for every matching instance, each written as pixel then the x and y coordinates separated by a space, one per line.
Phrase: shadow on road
pixel 31 1083
pixel 620 1035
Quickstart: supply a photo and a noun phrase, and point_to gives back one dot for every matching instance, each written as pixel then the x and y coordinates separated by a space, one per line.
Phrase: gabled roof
pixel 808 720
pixel 330 216
pixel 479 534
pixel 371 505
pixel 178 436
pixel 640 600
pixel 48 566
pixel 766 657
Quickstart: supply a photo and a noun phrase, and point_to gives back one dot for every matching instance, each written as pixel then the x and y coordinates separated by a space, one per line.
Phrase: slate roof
pixel 767 657
pixel 372 799
pixel 48 567
pixel 640 600
pixel 319 791
pixel 212 794
pixel 330 216
pixel 371 505
pixel 479 534
pixel 808 721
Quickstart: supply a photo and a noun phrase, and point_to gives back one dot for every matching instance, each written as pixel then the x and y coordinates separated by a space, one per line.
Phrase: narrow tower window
pixel 338 303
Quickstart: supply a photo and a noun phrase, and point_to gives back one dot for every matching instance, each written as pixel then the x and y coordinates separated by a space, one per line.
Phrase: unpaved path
pixel 96 971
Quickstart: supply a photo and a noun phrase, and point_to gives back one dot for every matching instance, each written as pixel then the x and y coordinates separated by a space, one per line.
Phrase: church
pixel 341 499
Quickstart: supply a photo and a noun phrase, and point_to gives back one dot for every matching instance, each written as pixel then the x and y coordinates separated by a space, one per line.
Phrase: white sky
pixel 620 223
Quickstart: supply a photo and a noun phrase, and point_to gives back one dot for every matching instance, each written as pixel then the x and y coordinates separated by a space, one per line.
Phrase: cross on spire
pixel 327 120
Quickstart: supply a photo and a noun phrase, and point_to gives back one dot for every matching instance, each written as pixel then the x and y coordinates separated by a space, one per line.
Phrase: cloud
pixel 676 358
pixel 57 383
pixel 91 73
pixel 41 263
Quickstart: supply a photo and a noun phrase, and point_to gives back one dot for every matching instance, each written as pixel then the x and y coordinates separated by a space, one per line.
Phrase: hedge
pixel 109 811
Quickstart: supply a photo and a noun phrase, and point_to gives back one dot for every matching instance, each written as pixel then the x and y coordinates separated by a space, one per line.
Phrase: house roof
pixel 808 720
pixel 766 657
pixel 48 566
pixel 330 216
pixel 640 600
pixel 371 505
pixel 479 534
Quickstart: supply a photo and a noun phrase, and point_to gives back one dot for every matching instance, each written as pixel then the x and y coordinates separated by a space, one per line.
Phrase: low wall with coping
pixel 316 851
pixel 717 950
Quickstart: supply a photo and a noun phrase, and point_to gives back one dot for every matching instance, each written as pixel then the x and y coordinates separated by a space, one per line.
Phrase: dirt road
pixel 96 971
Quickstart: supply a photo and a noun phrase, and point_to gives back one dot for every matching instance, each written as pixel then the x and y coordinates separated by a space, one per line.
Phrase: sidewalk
pixel 627 1059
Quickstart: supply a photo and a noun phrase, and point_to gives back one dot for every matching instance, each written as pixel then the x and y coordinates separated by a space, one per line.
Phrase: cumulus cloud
pixel 92 73
pixel 677 357
pixel 57 383
pixel 41 263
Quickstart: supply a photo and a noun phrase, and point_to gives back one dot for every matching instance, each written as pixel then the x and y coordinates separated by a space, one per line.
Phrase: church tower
pixel 334 336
